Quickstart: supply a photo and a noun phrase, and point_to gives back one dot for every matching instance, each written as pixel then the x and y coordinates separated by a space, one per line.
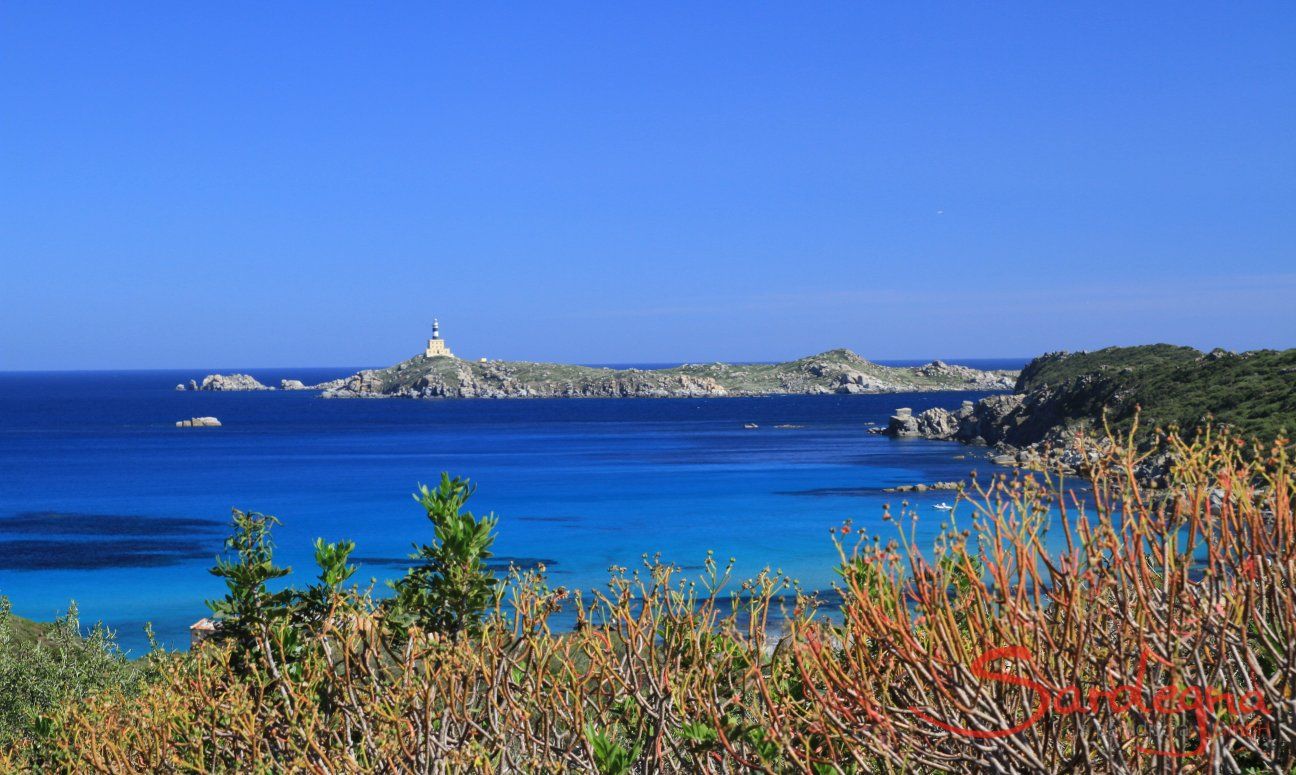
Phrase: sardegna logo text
pixel 1200 703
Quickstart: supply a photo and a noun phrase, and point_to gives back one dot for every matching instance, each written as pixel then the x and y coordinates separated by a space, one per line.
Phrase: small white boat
pixel 943 507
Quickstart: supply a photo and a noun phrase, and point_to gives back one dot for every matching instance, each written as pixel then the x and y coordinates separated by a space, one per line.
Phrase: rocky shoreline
pixel 1017 436
pixel 999 422
pixel 840 372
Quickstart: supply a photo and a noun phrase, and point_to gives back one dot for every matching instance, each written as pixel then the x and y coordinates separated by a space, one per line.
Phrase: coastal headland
pixel 1060 397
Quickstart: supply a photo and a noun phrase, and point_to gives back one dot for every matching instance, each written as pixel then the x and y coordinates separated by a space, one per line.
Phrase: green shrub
pixel 45 666
pixel 314 606
pixel 249 608
pixel 450 589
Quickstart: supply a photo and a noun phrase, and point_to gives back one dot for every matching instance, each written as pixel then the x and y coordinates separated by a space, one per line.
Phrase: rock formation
pixel 925 487
pixel 199 422
pixel 221 382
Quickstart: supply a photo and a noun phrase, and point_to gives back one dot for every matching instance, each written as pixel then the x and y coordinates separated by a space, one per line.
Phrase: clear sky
pixel 261 184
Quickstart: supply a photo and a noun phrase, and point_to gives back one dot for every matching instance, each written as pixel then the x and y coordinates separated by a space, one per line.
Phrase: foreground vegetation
pixel 45 666
pixel 1142 632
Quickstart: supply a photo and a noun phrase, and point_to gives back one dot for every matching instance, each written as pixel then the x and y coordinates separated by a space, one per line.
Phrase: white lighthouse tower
pixel 436 346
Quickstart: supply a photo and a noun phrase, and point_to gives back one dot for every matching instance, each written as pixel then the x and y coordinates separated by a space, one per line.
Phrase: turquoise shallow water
pixel 104 501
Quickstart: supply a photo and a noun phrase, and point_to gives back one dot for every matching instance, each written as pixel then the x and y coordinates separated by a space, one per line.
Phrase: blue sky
pixel 259 184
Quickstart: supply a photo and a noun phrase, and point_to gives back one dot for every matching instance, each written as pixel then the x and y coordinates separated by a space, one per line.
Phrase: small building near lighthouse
pixel 436 346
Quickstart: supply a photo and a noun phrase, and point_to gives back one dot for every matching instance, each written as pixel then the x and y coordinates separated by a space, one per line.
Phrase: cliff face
pixel 836 371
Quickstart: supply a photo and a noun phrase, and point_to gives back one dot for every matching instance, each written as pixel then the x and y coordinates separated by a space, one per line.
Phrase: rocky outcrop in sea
pixel 246 382
pixel 231 382
pixel 1006 424
pixel 990 421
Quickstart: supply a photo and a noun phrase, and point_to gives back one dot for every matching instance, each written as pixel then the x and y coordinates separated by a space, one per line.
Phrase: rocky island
pixel 445 376
pixel 836 371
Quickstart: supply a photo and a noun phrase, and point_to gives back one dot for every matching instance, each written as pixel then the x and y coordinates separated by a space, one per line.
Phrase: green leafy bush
pixel 45 666
pixel 249 608
pixel 450 588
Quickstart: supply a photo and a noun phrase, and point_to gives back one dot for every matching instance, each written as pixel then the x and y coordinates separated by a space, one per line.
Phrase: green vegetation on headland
pixel 835 371
pixel 1253 392
pixel 1165 637
pixel 1165 386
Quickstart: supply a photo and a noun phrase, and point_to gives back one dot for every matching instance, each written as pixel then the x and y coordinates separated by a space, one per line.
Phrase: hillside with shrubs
pixel 1254 392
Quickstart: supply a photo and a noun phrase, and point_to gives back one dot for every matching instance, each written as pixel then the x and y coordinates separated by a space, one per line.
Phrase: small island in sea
pixel 437 373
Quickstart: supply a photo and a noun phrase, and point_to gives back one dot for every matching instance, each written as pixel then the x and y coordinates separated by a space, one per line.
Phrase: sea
pixel 103 501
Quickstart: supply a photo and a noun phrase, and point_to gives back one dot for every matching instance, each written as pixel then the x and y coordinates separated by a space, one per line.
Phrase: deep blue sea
pixel 104 501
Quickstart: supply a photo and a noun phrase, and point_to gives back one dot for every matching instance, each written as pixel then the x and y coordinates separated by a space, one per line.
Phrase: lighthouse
pixel 436 346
